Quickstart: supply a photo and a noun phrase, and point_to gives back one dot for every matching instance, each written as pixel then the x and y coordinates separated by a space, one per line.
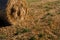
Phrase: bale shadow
pixel 4 23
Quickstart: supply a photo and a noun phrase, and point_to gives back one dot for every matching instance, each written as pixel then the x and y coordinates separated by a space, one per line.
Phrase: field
pixel 41 23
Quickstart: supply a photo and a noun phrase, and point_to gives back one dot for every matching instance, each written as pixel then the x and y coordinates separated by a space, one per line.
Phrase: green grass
pixel 32 38
pixel 20 31
pixel 2 36
pixel 30 1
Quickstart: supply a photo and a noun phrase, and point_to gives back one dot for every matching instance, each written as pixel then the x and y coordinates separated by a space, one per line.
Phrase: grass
pixel 40 35
pixel 41 17
pixel 20 31
pixel 32 38
pixel 2 36
pixel 30 1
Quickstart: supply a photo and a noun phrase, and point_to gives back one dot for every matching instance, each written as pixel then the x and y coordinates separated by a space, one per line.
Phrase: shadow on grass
pixel 4 23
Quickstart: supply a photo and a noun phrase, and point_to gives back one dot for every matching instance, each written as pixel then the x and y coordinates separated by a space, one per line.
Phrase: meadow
pixel 42 22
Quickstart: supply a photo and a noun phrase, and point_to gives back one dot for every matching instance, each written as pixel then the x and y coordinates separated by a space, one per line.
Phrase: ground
pixel 41 23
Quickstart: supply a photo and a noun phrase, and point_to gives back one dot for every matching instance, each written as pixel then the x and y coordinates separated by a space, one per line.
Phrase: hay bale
pixel 16 11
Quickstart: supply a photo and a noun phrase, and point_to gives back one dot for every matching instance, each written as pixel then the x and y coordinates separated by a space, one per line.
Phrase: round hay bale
pixel 16 11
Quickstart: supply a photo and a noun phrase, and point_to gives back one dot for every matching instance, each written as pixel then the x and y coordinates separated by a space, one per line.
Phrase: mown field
pixel 41 23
